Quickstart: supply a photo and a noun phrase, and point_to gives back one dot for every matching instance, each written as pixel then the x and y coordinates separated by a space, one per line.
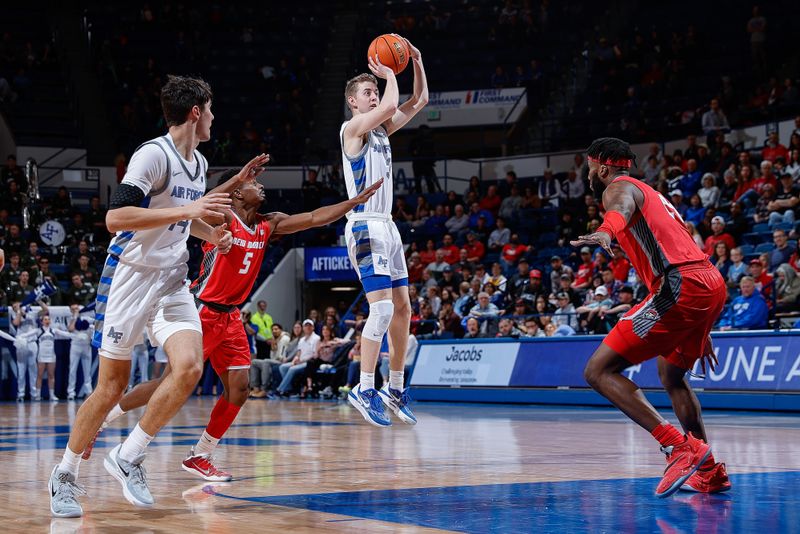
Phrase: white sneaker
pixel 131 475
pixel 398 401
pixel 63 492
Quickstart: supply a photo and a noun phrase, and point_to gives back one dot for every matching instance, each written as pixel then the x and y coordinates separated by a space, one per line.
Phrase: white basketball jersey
pixel 373 162
pixel 168 181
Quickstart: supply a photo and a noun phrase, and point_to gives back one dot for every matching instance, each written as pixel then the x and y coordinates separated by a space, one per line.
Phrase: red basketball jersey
pixel 227 279
pixel 656 237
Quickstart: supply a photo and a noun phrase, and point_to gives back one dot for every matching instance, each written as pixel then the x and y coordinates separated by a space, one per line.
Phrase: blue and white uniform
pixel 143 284
pixel 26 350
pixel 373 242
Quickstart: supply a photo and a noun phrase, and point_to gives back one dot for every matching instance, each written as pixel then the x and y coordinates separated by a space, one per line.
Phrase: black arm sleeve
pixel 126 195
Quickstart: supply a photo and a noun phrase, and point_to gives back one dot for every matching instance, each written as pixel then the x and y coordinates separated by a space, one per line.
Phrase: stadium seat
pixel 764 247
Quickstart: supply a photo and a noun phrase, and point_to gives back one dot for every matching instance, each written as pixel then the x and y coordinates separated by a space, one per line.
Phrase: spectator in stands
pixel 433 299
pixel 87 272
pixel 434 225
pixel 793 165
pixel 782 209
pixel 507 328
pixel 727 193
pixel 475 249
pixel 415 268
pixel 619 263
pixel 532 328
pixel 30 259
pixel 449 321
pixel 748 310
pixel 573 190
pixel 12 270
pixel 504 190
pixel 610 315
pixel 437 265
pixel 61 203
pixel 13 242
pixel 428 255
pixel 464 296
pixel 428 280
pixel 326 348
pixel 714 121
pixel 757 28
pixel 583 278
pixel 773 149
pixel 677 202
pixel 652 171
pixel 485 311
pixel 794 261
pixel 491 202
pixel 80 292
pixel 549 189
pixel 459 222
pixel 558 269
pixel 306 348
pixel 782 252
pixel 449 249
pixel 787 288
pixel 565 313
pixel 588 314
pixel 12 172
pixel 737 269
pixel 692 229
pixel 473 329
pixel 264 335
pixel 422 207
pixel 519 279
pixel 423 150
pixel 476 213
pixel 415 299
pixel 20 288
pixel 696 212
pixel 762 279
pixel 737 226
pixel 709 193
pixel 612 285
pixel 499 237
pixel 511 204
pixel 512 252
pixel 721 259
pixel 497 279
pixel 402 213
pixel 690 182
pixel 83 250
pixel 718 227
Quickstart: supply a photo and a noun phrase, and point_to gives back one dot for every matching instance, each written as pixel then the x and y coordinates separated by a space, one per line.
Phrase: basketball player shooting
pixel 373 242
pixel 687 294
pixel 224 282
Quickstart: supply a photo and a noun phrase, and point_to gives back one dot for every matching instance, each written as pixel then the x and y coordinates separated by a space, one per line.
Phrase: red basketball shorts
pixel 675 321
pixel 224 340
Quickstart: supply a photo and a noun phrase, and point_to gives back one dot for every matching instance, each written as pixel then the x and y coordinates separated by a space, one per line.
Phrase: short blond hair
pixel 352 84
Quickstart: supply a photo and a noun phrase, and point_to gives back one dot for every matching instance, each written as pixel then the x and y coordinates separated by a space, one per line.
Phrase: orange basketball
pixel 392 52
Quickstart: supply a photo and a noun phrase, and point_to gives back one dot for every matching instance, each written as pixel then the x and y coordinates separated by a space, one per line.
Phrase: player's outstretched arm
pixel 219 236
pixel 417 101
pixel 283 224
pixel 618 198
pixel 251 171
pixel 125 213
pixel 362 123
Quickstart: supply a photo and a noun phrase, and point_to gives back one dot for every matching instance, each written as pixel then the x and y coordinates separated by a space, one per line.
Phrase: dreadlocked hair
pixel 611 148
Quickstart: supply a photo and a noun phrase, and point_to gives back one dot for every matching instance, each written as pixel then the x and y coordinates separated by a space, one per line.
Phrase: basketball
pixel 391 50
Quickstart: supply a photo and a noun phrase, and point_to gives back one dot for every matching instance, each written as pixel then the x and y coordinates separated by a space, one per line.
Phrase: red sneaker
pixel 711 480
pixel 87 452
pixel 203 466
pixel 682 461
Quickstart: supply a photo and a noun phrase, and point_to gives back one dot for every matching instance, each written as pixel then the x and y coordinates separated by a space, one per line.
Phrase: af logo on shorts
pixel 116 336
pixel 383 262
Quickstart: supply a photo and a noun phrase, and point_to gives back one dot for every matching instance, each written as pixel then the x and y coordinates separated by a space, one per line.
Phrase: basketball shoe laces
pixel 67 489
pixel 138 474
pixel 375 403
pixel 403 400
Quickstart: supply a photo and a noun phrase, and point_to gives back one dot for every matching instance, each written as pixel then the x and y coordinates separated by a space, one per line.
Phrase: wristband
pixel 613 223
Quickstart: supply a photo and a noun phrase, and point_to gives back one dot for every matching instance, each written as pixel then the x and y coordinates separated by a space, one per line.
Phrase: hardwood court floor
pixel 302 466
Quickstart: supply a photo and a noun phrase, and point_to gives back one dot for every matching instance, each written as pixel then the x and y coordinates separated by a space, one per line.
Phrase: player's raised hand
pixel 378 69
pixel 413 51
pixel 223 238
pixel 212 205
pixel 2 259
pixel 597 239
pixel 253 168
pixel 367 193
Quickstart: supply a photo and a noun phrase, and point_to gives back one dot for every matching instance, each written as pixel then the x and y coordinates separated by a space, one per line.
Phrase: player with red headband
pixel 687 295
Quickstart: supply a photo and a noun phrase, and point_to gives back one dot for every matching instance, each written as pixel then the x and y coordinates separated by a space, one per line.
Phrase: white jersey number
pixel 671 209
pixel 182 224
pixel 247 263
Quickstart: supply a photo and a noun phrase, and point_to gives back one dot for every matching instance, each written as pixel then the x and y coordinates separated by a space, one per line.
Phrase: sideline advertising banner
pixel 328 264
pixel 754 362
pixel 474 107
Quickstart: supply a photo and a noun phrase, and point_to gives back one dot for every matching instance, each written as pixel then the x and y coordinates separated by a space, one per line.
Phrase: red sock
pixel 222 417
pixel 667 435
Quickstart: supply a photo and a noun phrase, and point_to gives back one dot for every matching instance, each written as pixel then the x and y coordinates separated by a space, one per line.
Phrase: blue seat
pixel 746 249
pixel 752 238
pixel 760 228
pixel 764 247
pixel 786 227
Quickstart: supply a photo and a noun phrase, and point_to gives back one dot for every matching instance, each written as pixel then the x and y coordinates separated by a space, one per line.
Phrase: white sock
pixel 135 444
pixel 206 444
pixel 70 462
pixel 396 380
pixel 115 413
pixel 367 381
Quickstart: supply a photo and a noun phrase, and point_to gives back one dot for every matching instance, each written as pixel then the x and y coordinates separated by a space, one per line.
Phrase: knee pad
pixel 380 315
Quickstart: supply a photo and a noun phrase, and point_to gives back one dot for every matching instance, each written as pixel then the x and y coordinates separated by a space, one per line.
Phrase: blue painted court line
pixel 763 502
